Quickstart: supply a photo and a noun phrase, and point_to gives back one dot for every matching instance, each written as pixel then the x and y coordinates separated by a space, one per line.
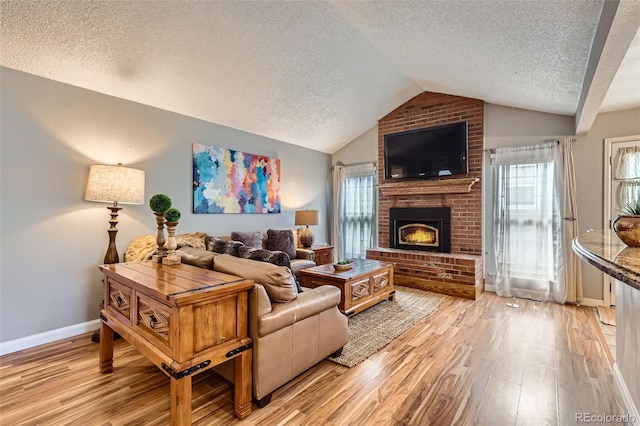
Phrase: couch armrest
pixel 262 302
pixel 305 254
pixel 308 303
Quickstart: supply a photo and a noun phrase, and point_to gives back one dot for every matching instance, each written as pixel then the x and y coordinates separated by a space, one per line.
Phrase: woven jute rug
pixel 375 327
pixel 606 315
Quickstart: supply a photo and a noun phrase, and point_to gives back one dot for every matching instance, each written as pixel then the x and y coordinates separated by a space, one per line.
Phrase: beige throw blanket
pixel 142 248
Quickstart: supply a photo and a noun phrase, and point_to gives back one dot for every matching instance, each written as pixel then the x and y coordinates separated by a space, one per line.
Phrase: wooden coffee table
pixel 368 282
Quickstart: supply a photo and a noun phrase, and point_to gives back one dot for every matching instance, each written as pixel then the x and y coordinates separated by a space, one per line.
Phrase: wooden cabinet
pixel 323 254
pixel 185 320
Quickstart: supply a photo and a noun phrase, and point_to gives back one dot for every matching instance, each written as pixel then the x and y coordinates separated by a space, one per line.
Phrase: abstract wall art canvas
pixel 228 181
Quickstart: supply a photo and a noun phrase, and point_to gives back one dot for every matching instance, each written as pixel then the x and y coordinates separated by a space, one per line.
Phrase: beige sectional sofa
pixel 291 330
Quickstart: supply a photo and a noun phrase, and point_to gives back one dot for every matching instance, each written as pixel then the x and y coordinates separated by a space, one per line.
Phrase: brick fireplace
pixel 460 271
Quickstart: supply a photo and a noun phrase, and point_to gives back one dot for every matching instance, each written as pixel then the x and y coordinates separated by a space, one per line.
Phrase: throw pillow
pixel 277 280
pixel 232 247
pixel 249 239
pixel 215 245
pixel 282 240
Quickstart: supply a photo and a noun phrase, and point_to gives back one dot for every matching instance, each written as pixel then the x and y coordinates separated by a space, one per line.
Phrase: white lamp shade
pixel 118 184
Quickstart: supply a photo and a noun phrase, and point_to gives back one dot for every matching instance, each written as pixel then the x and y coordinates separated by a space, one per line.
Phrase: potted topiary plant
pixel 160 203
pixel 172 216
pixel 627 225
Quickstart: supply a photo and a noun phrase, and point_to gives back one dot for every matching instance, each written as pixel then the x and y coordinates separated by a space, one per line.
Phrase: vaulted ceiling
pixel 320 73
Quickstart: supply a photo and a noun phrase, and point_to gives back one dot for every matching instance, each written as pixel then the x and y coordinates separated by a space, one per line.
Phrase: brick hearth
pixel 458 273
pixel 454 274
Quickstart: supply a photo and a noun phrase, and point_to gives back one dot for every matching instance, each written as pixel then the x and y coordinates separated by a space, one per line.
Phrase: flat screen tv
pixel 436 151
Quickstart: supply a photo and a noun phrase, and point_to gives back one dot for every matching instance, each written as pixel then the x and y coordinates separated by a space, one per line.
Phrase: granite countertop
pixel 604 250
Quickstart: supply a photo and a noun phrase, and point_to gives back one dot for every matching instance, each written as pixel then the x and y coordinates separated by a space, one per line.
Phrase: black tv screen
pixel 430 152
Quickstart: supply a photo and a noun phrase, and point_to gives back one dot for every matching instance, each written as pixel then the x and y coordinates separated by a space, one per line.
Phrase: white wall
pixel 51 240
pixel 506 126
pixel 363 148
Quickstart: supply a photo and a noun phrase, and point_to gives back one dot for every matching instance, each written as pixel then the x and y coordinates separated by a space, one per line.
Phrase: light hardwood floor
pixel 469 363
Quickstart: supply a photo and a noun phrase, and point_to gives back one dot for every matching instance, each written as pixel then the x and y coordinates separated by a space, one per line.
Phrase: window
pixel 355 210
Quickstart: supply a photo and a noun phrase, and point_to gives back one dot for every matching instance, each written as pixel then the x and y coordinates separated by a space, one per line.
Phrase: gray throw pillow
pixel 217 245
pixel 282 239
pixel 232 247
pixel 249 239
pixel 214 244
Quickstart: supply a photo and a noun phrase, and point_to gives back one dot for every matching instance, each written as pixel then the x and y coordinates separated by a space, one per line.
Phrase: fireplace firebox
pixel 422 228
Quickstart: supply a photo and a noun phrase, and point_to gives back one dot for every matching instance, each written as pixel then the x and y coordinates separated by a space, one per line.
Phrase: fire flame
pixel 420 236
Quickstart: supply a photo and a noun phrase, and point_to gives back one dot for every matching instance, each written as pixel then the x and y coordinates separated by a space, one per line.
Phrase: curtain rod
pixel 557 141
pixel 339 163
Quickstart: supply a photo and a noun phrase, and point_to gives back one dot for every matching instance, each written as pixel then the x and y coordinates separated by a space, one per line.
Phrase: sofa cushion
pixel 249 239
pixel 277 280
pixel 196 257
pixel 282 239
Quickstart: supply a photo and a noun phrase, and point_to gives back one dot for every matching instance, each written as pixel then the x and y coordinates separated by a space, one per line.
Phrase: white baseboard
pixel 489 287
pixel 47 337
pixel 592 302
pixel 624 390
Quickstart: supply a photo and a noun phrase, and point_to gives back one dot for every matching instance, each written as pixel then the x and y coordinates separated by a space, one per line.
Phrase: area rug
pixel 606 315
pixel 375 327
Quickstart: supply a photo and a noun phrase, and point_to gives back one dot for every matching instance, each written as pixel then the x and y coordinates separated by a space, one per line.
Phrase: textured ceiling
pixel 312 73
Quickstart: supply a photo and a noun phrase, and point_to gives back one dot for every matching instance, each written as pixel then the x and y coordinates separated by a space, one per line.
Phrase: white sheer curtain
pixel 527 219
pixel 354 207
pixel 572 265
pixel 628 172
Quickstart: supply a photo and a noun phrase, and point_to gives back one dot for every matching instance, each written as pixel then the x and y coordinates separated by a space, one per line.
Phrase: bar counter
pixel 606 252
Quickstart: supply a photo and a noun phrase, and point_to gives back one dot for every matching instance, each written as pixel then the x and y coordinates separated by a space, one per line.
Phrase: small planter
pixel 160 203
pixel 627 228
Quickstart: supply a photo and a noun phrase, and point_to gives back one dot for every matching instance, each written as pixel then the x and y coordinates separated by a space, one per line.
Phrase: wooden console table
pixel 185 320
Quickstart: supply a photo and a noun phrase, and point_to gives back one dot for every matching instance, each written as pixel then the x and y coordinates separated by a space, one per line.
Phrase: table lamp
pixel 114 184
pixel 306 218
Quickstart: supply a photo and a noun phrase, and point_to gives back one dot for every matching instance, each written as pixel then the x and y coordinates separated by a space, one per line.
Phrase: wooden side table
pixel 323 254
pixel 185 320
